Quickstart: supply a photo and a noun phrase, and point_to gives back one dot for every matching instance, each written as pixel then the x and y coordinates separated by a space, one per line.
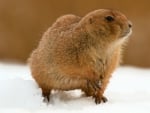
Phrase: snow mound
pixel 127 92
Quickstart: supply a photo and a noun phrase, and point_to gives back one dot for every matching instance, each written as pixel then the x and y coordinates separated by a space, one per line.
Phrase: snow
pixel 127 92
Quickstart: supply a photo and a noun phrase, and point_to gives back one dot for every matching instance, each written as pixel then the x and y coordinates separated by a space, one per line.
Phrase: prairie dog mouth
pixel 126 34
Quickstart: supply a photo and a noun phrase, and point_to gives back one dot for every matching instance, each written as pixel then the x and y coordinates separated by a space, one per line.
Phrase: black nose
pixel 130 24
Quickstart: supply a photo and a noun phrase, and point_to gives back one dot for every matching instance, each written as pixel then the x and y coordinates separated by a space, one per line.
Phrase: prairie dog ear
pixel 91 20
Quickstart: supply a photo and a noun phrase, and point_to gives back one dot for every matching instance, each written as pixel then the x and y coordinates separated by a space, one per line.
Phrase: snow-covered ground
pixel 128 92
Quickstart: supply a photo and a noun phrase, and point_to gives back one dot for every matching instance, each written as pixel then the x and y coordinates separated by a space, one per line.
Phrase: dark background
pixel 22 23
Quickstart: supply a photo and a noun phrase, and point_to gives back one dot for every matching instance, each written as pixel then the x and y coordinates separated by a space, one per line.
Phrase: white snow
pixel 127 92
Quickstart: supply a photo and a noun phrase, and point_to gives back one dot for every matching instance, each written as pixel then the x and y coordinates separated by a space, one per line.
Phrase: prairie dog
pixel 80 53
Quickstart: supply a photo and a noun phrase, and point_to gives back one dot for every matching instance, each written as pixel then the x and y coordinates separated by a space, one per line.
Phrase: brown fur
pixel 80 53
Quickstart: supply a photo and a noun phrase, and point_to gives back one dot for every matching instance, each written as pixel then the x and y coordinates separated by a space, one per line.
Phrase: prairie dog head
pixel 107 25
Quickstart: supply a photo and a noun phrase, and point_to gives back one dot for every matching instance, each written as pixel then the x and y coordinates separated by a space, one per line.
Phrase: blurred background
pixel 22 23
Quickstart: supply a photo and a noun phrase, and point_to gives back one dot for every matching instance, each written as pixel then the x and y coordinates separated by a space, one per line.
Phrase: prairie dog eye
pixel 109 18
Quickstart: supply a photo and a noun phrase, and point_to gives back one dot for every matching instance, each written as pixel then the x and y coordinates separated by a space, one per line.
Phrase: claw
pixel 46 96
pixel 98 100
pixel 104 99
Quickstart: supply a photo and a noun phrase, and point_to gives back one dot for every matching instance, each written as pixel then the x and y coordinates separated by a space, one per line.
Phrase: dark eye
pixel 109 18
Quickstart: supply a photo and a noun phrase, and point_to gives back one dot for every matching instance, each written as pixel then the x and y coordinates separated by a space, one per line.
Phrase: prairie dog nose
pixel 130 24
